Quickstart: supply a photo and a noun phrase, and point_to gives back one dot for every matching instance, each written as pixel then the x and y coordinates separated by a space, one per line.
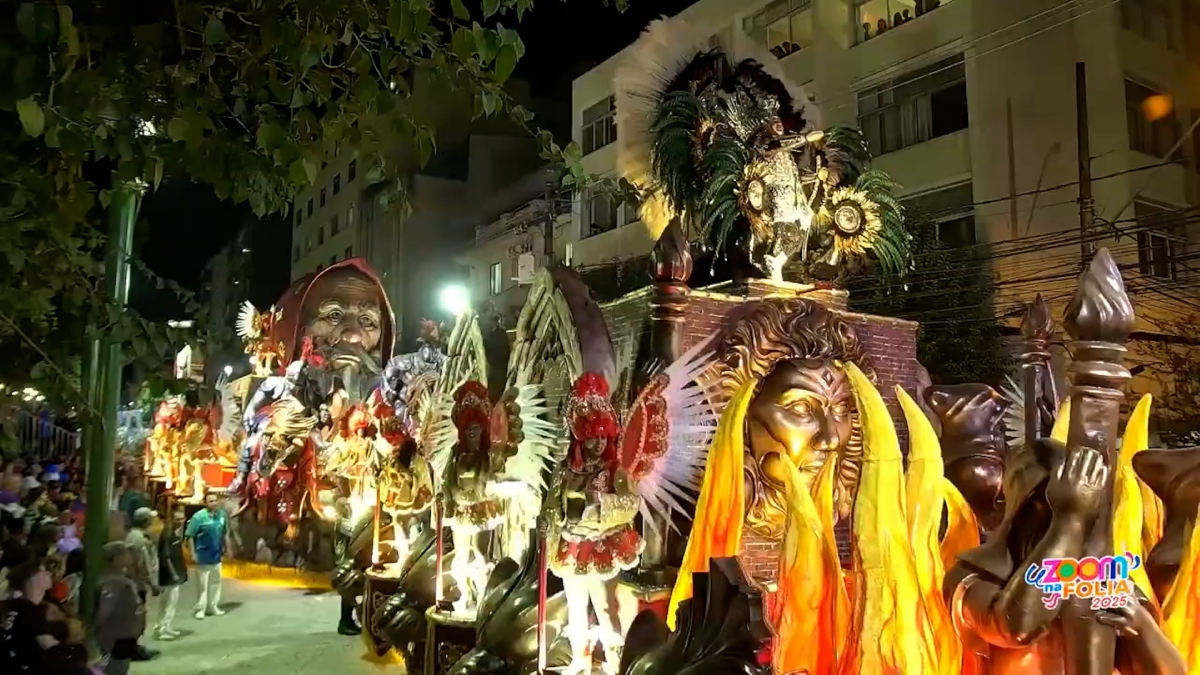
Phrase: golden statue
pixel 255 329
pixel 803 407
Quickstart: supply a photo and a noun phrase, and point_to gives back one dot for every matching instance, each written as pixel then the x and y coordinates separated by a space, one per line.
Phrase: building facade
pixel 971 106
pixel 253 267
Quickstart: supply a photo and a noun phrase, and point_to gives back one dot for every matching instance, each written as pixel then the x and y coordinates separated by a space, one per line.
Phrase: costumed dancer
pixel 650 465
pixel 469 506
pixel 591 537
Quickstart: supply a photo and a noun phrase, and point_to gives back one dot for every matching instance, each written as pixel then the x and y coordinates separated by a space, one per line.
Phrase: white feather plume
pixel 249 327
pixel 540 445
pixel 674 481
pixel 1014 416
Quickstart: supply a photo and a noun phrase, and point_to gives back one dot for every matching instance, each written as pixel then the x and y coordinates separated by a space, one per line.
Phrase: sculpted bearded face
pixel 344 317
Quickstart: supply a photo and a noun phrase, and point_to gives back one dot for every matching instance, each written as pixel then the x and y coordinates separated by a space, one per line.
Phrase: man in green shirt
pixel 205 534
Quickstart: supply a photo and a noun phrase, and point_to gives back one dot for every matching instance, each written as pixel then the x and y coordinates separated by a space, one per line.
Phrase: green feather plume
pixel 723 165
pixel 893 245
pixel 674 130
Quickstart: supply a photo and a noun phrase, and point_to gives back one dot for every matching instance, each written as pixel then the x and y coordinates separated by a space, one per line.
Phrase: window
pixel 496 279
pixel 875 17
pixel 320 235
pixel 322 196
pixel 334 228
pixel 599 214
pixel 308 243
pixel 957 232
pixel 916 107
pixel 1150 19
pixel 337 183
pixel 350 216
pixel 310 206
pixel 349 252
pixel 352 171
pixel 1159 240
pixel 599 125
pixel 784 26
pixel 1151 136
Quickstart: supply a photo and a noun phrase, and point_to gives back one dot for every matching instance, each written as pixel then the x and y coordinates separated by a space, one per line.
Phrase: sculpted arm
pixel 1013 615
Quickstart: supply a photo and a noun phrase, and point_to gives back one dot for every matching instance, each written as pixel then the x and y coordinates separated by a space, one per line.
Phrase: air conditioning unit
pixel 526 267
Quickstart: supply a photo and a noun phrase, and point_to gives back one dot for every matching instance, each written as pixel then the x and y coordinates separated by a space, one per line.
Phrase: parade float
pixel 822 509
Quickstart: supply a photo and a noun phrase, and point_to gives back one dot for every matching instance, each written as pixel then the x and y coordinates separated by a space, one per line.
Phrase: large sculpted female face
pixel 803 411
pixel 803 407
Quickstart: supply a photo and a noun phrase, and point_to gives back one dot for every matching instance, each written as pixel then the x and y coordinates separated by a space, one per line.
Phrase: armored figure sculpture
pixel 257 414
pixel 1059 503
pixel 973 444
pixel 403 371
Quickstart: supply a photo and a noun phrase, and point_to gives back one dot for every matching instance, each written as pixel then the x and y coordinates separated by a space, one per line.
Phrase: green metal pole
pixel 106 372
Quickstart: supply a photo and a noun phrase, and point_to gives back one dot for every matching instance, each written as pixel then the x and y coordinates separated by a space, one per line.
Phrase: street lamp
pixel 228 371
pixel 455 299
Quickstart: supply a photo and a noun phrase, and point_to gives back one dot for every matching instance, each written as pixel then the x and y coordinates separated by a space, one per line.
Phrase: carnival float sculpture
pixel 719 140
pixel 256 330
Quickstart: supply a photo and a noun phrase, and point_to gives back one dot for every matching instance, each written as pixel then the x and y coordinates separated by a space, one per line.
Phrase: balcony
pixel 530 214
pixel 874 18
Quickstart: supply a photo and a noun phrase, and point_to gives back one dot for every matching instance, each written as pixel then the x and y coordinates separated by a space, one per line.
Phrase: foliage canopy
pixel 249 96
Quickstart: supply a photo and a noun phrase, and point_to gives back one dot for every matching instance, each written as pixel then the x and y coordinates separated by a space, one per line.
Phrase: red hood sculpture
pixel 316 303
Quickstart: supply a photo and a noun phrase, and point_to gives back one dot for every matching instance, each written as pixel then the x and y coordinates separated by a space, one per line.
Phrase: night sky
pixel 183 225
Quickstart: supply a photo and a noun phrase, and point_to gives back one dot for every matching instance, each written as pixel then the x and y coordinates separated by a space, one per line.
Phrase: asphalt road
pixel 267 631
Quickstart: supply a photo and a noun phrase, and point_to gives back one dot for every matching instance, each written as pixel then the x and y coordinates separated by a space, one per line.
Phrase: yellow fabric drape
pixel 721 507
pixel 895 635
pixel 812 602
pixel 1181 611
pixel 925 480
pixel 1128 516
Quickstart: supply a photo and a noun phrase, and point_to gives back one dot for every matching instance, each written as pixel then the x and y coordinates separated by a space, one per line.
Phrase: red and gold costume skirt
pixel 603 556
pixel 480 516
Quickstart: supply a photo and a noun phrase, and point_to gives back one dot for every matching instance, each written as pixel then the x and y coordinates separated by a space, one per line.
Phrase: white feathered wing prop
pixel 664 441
pixel 465 360
pixel 231 411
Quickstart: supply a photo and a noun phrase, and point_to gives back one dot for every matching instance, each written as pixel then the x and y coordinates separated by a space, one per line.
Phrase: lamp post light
pixel 228 371
pixel 455 299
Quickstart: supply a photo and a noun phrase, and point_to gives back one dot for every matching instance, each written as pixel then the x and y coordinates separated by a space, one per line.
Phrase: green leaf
pixel 460 10
pixel 214 31
pixel 490 7
pixel 105 198
pixel 488 99
pixel 177 129
pixel 463 44
pixel 16 259
pixel 401 22
pixel 33 120
pixel 506 63
pixel 271 137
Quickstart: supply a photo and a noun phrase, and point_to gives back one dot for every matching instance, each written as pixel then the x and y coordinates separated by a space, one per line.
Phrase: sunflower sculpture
pixel 719 141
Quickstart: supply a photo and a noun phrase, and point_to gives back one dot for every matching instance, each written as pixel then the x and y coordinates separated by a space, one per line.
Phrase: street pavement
pixel 267 631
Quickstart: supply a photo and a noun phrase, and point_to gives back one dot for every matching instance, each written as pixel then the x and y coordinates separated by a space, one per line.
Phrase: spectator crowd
pixel 143 570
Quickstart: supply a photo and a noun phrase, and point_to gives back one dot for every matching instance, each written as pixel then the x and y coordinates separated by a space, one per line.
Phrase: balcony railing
pixel 530 214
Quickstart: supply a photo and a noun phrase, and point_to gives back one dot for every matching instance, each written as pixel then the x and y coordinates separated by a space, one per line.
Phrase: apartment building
pixel 971 106
pixel 325 216
pixel 509 244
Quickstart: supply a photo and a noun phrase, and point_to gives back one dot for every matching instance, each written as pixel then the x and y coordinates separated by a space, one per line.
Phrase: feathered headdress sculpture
pixel 472 404
pixel 721 141
pixel 590 414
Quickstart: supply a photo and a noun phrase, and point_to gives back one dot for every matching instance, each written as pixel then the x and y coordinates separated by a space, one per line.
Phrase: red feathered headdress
pixel 591 415
pixel 472 403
